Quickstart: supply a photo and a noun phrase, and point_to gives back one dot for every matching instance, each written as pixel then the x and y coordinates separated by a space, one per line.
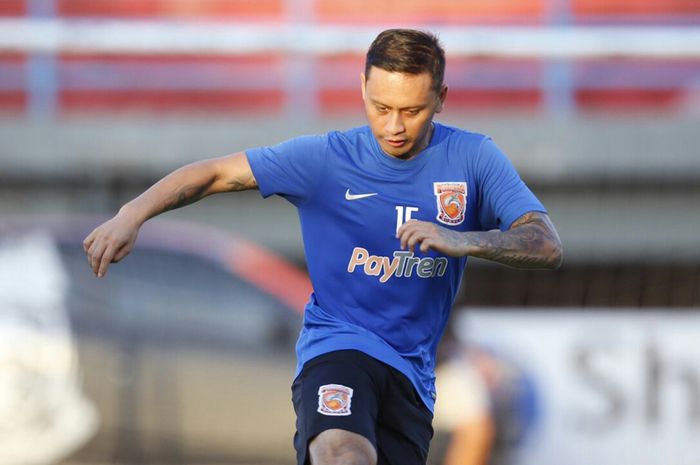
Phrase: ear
pixel 363 80
pixel 441 99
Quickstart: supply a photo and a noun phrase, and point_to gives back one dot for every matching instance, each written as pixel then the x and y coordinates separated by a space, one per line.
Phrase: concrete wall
pixel 617 188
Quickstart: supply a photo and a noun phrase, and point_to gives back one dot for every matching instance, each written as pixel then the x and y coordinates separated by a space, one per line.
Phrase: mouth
pixel 397 143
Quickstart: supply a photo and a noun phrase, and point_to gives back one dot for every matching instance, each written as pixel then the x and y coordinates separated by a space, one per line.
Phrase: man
pixel 389 214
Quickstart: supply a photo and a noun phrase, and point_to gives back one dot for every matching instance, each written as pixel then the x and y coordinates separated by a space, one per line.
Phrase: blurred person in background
pixel 389 214
pixel 465 429
pixel 463 413
pixel 487 406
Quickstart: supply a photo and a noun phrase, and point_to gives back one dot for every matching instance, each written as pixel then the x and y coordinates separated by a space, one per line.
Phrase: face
pixel 400 109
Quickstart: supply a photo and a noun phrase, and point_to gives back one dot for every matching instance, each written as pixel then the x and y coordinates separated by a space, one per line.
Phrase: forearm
pixel 191 183
pixel 471 443
pixel 179 188
pixel 532 242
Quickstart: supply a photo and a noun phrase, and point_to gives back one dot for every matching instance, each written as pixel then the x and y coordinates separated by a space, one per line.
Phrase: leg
pixel 340 447
pixel 404 425
pixel 336 404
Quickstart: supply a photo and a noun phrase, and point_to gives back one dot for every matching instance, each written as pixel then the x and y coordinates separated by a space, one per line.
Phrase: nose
pixel 394 123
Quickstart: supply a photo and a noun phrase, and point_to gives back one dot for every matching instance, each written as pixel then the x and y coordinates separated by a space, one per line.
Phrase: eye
pixel 413 111
pixel 382 109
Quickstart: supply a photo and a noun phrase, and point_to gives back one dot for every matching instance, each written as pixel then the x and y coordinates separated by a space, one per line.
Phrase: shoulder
pixel 461 145
pixel 460 135
pixel 462 138
pixel 303 144
pixel 350 139
pixel 350 135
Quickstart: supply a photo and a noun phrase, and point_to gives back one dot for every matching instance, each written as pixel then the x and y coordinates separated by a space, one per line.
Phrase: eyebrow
pixel 415 107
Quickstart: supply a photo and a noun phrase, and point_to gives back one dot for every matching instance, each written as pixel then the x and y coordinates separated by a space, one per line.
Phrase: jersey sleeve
pixel 504 197
pixel 291 169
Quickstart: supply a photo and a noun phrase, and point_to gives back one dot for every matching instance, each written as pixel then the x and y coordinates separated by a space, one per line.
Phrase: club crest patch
pixel 451 202
pixel 334 400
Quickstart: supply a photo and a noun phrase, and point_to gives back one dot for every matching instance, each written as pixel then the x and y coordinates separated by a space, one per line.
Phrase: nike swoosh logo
pixel 349 196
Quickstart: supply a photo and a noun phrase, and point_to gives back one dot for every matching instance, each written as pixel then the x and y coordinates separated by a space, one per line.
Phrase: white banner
pixel 602 387
pixel 44 415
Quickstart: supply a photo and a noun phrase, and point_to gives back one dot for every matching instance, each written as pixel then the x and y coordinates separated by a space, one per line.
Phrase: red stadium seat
pixel 627 100
pixel 632 85
pixel 423 12
pixel 13 7
pixel 13 96
pixel 203 9
pixel 166 83
pixel 640 7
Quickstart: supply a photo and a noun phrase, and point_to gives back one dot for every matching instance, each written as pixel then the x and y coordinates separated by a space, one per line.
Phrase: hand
pixel 110 242
pixel 431 236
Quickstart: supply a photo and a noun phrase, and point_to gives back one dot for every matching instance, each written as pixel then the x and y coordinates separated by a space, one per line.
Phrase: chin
pixel 397 153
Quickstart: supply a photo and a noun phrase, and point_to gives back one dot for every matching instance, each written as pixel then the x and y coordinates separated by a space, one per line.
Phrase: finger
pixel 121 253
pixel 88 241
pixel 401 236
pixel 105 261
pixel 408 225
pixel 416 238
pixel 95 255
pixel 408 229
pixel 426 244
pixel 89 252
pixel 406 236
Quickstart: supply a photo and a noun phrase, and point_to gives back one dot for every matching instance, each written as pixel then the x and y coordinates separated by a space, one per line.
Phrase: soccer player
pixel 389 214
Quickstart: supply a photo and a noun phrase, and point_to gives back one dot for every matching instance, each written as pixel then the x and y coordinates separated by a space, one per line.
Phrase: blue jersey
pixel 370 295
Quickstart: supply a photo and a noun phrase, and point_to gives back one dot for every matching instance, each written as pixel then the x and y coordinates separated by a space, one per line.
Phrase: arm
pixel 464 409
pixel 531 242
pixel 114 239
pixel 471 442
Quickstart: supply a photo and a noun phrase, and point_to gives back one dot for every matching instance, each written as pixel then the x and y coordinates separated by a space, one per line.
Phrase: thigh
pixel 334 391
pixel 339 446
pixel 404 425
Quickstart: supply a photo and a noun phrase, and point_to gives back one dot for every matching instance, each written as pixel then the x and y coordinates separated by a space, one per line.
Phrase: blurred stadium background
pixel 596 102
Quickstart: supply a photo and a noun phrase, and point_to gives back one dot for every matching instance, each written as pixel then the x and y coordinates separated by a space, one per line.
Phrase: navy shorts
pixel 352 391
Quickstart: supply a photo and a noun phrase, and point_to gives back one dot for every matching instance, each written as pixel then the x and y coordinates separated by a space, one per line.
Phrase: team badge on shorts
pixel 334 400
pixel 451 202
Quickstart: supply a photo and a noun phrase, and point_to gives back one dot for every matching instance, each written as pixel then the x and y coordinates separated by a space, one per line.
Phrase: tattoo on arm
pixel 531 242
pixel 186 195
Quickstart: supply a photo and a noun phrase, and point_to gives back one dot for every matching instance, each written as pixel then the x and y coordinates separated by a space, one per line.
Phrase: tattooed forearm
pixel 186 195
pixel 191 183
pixel 532 242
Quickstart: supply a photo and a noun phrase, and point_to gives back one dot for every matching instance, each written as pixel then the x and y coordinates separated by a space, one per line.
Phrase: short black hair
pixel 408 51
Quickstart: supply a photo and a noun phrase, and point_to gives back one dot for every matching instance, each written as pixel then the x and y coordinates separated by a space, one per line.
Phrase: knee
pixel 340 447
